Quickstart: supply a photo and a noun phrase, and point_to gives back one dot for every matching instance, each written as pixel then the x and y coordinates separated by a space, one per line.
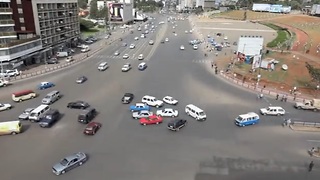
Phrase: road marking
pixel 237 29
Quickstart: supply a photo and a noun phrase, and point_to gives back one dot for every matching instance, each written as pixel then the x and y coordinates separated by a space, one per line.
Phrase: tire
pixel 278 114
pixel 157 106
pixel 20 100
pixel 173 116
pixel 135 118
pixel 157 122
pixel 144 124
pixel 13 133
pixel 62 172
pixel 298 107
pixel 80 163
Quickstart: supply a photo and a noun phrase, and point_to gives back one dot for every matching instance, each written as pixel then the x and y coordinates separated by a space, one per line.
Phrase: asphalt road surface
pixel 122 149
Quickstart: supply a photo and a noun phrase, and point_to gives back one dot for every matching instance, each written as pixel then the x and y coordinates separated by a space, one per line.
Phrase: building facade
pixel 37 29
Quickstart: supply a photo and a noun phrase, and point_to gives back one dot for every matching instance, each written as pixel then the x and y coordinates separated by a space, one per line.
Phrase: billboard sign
pixel 261 7
pixel 116 12
pixel 276 8
pixel 286 9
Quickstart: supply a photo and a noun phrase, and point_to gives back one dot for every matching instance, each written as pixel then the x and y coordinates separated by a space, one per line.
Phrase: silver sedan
pixel 69 162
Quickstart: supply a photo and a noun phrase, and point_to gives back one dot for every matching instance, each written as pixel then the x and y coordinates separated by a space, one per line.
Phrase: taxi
pixel 248 119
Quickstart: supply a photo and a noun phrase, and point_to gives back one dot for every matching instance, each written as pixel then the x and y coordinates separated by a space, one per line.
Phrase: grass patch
pixel 91 32
pixel 282 35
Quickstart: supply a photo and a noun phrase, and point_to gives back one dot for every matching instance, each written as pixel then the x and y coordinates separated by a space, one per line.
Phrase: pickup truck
pixel 313 105
pixel 3 83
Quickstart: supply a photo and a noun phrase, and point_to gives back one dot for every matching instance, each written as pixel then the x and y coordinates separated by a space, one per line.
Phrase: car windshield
pixel 48 117
pixel 47 97
pixel 64 162
pixel 202 114
pixel 90 128
pixel 33 114
pixel 239 118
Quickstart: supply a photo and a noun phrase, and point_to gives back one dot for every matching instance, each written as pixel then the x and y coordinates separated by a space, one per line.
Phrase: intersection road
pixel 123 149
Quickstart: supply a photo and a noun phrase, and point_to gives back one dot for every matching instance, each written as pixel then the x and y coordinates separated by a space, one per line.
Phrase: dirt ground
pixel 307 37
pixel 307 24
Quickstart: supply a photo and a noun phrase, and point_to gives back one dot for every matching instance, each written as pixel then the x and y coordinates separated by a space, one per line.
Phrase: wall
pixel 27 15
pixel 127 13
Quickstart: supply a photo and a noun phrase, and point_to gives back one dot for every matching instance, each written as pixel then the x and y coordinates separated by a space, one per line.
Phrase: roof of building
pixel 250 45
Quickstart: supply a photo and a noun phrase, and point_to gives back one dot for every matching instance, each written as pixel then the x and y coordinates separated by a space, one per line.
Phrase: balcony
pixel 10 21
pixel 19 41
pixel 8 34
pixel 5 11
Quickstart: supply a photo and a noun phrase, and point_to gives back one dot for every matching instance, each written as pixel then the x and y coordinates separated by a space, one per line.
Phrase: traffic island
pixel 305 126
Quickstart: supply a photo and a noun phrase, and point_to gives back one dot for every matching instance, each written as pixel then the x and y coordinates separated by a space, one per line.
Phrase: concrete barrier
pixel 305 126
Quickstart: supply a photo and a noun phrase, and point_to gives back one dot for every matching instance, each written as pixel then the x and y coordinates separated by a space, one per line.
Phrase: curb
pixel 62 66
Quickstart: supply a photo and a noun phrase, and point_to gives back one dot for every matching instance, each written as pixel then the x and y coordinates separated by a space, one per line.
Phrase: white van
pixel 152 101
pixel 51 97
pixel 38 113
pixel 62 54
pixel 195 112
pixel 103 66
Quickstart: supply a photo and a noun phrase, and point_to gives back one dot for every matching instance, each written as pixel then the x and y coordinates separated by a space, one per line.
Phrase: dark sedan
pixel 78 105
pixel 81 79
pixel 92 128
pixel 127 98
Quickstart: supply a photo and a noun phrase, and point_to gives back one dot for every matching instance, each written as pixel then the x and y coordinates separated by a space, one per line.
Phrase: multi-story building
pixel 14 46
pixel 33 30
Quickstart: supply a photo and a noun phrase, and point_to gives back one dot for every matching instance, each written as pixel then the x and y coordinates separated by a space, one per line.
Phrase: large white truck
pixel 313 105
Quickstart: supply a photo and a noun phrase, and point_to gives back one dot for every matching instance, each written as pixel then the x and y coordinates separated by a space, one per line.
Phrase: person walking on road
pixel 311 166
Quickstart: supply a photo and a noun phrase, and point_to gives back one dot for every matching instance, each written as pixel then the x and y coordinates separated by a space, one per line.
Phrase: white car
pixel 126 67
pixel 85 49
pixel 4 107
pixel 136 38
pixel 168 112
pixel 181 47
pixel 170 100
pixel 151 42
pixel 225 38
pixel 69 59
pixel 116 53
pixel 140 57
pixel 126 56
pixel 132 46
pixel 166 40
pixel 143 36
pixel 273 110
pixel 195 47
pixel 10 73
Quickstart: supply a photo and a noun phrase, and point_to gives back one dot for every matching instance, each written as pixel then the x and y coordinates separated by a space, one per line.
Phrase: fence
pixel 306 124
pixel 261 89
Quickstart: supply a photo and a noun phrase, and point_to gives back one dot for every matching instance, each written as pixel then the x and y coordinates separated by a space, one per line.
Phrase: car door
pixel 73 163
pixel 144 114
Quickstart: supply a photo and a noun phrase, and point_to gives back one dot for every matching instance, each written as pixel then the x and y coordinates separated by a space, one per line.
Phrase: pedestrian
pixel 311 166
pixel 87 54
pixel 212 65
pixel 216 71
pixel 277 96
pixel 285 98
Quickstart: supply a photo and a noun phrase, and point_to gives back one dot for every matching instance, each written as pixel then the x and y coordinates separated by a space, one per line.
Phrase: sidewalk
pixel 253 87
pixel 47 68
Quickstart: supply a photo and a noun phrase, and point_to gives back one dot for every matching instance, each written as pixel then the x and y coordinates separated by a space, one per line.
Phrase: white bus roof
pixel 39 108
pixel 248 115
pixel 9 122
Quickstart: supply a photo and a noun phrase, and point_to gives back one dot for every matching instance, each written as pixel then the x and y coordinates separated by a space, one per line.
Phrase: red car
pixel 153 119
pixel 92 128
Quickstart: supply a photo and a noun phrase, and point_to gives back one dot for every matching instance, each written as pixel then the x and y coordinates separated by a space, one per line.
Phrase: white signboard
pixel 261 7
pixel 256 61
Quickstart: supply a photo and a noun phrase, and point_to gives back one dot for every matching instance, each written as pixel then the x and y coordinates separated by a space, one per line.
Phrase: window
pixel 4 5
pixel 20 11
pixel 23 28
pixel 18 1
pixel 21 20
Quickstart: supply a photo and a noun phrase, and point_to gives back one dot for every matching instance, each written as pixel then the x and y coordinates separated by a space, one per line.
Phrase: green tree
pixel 314 72
pixel 93 9
pixel 295 4
pixel 103 13
pixel 83 4
pixel 85 25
